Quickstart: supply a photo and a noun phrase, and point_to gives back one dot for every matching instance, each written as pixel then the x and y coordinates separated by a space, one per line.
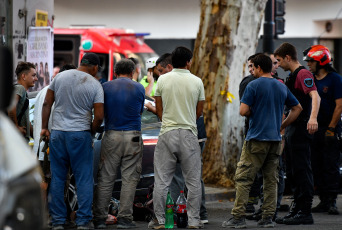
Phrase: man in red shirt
pixel 298 136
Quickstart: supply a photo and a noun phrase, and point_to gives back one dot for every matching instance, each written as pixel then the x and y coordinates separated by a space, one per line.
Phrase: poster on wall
pixel 19 35
pixel 40 53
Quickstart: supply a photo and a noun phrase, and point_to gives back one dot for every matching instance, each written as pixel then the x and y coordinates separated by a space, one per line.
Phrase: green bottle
pixel 169 222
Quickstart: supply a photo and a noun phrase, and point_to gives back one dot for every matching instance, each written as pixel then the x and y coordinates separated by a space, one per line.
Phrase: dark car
pixel 150 127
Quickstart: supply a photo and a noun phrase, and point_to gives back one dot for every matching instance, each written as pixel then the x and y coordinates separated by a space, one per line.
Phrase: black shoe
pixel 124 223
pixel 250 208
pixel 300 218
pixel 294 210
pixel 284 208
pixel 266 222
pixel 100 224
pixel 323 206
pixel 255 216
pixel 333 209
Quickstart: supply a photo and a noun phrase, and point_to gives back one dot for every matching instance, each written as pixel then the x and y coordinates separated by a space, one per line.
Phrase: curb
pixel 218 193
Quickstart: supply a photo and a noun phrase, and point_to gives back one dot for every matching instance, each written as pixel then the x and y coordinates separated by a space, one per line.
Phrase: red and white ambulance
pixel 111 45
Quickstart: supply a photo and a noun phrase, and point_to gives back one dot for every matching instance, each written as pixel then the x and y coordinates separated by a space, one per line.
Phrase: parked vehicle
pixel 110 45
pixel 21 203
pixel 150 126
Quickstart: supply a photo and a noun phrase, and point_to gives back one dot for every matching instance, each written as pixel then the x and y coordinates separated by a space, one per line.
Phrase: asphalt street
pixel 219 210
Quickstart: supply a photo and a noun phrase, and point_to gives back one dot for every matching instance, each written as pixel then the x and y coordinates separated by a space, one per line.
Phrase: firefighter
pixel 325 147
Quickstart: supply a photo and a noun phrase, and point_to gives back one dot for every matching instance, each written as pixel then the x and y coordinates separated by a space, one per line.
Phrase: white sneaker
pixel 204 221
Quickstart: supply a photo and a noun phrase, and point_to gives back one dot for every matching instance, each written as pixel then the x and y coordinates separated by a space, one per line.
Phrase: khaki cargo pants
pixel 119 150
pixel 257 155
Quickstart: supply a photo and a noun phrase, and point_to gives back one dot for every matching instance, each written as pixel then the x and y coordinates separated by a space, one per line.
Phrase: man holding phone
pixel 150 81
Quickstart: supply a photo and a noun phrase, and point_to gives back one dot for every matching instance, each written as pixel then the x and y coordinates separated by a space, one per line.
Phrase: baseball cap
pixel 91 59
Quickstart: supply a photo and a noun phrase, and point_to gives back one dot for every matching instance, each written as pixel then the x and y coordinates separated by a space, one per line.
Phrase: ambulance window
pixel 104 62
pixel 63 45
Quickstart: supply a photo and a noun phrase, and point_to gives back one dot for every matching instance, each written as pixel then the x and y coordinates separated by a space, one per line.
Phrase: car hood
pixel 150 131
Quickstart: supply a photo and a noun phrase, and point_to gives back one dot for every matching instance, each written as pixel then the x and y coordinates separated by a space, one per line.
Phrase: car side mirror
pixel 6 77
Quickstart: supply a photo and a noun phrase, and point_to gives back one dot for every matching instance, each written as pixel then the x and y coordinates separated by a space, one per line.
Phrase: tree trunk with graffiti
pixel 227 35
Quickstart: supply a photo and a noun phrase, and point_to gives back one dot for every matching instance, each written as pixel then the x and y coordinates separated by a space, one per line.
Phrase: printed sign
pixel 41 18
pixel 40 53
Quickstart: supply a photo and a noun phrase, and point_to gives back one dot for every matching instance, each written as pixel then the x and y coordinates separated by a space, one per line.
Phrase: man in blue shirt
pixel 263 101
pixel 121 145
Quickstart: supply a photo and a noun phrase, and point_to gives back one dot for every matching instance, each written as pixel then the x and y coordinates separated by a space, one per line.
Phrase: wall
pixel 179 19
pixel 307 18
pixel 162 18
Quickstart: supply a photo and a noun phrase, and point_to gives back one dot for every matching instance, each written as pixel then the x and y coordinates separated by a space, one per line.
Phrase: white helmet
pixel 151 62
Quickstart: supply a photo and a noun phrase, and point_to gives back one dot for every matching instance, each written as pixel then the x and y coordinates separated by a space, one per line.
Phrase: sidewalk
pixel 215 193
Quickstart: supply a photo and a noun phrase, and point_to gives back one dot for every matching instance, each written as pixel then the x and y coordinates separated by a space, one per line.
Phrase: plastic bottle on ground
pixel 182 217
pixel 169 222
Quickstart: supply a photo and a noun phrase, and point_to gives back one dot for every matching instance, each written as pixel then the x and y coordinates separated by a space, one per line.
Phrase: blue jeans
pixel 72 149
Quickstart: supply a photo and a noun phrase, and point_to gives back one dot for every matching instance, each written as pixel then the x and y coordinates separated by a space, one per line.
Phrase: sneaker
pixel 101 224
pixel 87 226
pixel 154 224
pixel 300 218
pixel 58 227
pixel 204 221
pixel 323 206
pixel 235 223
pixel 124 223
pixel 69 224
pixel 266 222
pixel 333 210
pixel 196 227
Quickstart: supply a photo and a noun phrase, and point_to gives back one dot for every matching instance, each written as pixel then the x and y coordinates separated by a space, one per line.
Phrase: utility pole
pixel 268 43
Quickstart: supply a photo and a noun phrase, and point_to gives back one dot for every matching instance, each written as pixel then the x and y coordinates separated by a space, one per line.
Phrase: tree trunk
pixel 227 35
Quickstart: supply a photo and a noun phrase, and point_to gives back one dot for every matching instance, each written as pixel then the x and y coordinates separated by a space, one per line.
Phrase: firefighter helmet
pixel 318 53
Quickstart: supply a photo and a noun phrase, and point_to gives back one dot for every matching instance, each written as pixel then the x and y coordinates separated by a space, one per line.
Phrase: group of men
pixel 313 107
pixel 76 104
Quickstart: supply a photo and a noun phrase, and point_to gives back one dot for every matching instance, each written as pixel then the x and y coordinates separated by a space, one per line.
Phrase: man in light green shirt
pixel 150 81
pixel 179 102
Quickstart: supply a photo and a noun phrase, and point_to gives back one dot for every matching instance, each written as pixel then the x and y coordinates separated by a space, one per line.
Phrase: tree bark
pixel 227 35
